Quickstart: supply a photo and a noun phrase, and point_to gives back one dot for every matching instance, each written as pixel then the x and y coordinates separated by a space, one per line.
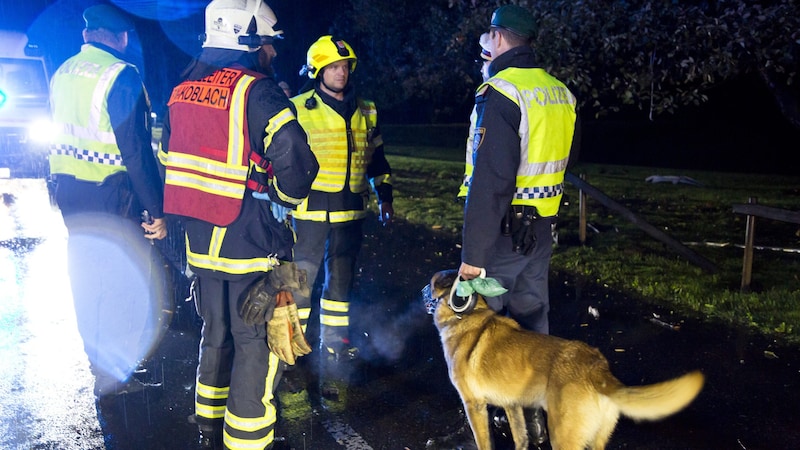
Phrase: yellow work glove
pixel 284 335
pixel 300 345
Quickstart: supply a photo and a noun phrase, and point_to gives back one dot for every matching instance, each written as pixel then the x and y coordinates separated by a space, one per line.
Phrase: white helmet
pixel 229 25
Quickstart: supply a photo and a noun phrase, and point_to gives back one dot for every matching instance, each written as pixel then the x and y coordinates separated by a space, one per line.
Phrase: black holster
pixel 518 224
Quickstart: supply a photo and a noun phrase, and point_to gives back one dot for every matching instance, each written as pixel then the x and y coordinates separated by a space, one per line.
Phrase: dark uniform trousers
pixel 244 385
pixel 525 277
pixel 336 246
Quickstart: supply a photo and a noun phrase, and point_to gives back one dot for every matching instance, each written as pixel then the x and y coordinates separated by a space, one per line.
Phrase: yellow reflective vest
pixel 546 130
pixel 328 136
pixel 86 146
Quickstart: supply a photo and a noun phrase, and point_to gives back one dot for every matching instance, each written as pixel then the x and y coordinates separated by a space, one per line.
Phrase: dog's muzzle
pixel 430 301
pixel 459 304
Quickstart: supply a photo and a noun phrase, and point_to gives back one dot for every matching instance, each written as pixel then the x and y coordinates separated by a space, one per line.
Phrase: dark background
pixel 739 129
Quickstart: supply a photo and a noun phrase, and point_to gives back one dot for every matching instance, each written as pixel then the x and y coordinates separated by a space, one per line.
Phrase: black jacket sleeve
pixel 129 112
pixel 276 134
pixel 496 160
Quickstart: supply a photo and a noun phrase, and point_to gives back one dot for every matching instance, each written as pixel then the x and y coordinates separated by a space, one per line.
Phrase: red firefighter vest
pixel 209 156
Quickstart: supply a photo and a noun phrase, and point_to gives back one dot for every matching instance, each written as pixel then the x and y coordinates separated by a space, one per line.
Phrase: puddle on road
pixel 45 371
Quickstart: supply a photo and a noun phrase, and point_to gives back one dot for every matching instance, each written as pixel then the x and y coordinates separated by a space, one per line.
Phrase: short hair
pixel 514 39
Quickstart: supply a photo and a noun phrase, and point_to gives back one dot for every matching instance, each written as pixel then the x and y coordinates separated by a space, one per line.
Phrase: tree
pixel 653 55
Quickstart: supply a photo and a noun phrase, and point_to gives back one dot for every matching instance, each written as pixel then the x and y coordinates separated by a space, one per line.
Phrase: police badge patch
pixel 477 138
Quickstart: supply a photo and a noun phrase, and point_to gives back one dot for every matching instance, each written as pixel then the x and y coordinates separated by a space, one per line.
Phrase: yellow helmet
pixel 327 50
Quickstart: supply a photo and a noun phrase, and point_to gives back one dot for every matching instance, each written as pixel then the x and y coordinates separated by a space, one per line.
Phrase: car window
pixel 23 78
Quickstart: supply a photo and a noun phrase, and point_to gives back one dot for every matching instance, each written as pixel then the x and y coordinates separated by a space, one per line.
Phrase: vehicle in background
pixel 25 125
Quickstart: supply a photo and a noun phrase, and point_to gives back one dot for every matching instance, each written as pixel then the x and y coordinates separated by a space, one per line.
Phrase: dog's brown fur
pixel 493 361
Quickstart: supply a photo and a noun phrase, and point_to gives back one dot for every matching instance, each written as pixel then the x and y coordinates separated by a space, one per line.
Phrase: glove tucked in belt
pixel 270 301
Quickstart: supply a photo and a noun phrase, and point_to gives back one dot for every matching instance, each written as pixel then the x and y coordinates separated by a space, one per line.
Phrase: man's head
pixel 106 24
pixel 511 26
pixel 334 60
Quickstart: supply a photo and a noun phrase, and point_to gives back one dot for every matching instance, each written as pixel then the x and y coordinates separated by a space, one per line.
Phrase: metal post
pixel 582 213
pixel 749 237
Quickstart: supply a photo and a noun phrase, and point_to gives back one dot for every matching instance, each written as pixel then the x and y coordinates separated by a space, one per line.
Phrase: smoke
pixel 390 328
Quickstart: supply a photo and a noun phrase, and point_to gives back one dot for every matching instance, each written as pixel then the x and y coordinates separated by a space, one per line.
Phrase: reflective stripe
pixel 207 391
pixel 97 109
pixel 543 168
pixel 89 134
pixel 236 140
pixel 346 216
pixel 87 155
pixel 304 313
pixel 334 306
pixel 277 122
pixel 209 412
pixel 212 260
pixel 210 401
pixel 540 192
pixel 334 321
pixel 250 424
pixel 232 266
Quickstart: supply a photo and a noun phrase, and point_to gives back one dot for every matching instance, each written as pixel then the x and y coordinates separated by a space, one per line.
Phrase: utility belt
pixel 518 223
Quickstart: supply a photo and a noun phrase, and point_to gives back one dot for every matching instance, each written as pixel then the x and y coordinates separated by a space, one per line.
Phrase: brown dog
pixel 493 361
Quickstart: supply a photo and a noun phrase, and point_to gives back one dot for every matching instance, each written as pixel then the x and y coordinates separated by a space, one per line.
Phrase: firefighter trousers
pixel 237 375
pixel 335 247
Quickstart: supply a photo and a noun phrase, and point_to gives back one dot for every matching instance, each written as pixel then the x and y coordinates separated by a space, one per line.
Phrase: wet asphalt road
pixel 398 395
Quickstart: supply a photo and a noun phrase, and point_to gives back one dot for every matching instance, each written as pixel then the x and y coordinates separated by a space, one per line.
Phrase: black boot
pixel 537 427
pixel 209 435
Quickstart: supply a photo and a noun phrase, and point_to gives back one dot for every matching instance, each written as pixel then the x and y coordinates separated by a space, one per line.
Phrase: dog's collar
pixel 462 305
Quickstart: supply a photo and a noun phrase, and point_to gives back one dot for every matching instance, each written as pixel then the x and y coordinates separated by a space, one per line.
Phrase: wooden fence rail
pixel 608 202
pixel 752 210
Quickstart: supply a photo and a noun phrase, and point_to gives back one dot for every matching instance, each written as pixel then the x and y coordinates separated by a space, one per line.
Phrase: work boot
pixel 537 427
pixel 209 435
pixel 499 426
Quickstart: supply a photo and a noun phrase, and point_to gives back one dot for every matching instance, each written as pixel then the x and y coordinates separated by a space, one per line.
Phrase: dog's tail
pixel 656 401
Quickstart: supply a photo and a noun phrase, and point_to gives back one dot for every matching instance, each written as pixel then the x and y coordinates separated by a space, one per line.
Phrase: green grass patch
pixel 623 257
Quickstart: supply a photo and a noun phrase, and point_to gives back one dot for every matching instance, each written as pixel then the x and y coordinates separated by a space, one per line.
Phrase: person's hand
pixel 155 230
pixel 468 272
pixel 279 212
pixel 386 212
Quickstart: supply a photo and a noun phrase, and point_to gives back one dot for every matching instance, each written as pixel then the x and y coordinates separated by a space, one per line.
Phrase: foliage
pixel 623 257
pixel 653 55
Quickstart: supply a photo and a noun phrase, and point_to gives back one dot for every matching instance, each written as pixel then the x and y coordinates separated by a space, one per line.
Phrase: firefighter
pixel 344 135
pixel 104 176
pixel 236 161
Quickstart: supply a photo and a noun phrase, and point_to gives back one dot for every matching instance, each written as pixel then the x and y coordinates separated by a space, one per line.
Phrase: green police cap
pixel 514 18
pixel 108 17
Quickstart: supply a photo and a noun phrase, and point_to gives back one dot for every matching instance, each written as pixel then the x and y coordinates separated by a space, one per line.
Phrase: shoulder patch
pixel 477 140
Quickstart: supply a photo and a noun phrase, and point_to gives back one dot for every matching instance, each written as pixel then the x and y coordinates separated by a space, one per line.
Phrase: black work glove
pixel 260 301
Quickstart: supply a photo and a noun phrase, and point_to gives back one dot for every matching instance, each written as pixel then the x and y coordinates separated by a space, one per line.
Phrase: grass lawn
pixel 620 255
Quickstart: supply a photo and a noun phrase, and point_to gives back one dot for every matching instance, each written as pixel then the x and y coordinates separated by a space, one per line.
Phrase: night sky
pixel 167 33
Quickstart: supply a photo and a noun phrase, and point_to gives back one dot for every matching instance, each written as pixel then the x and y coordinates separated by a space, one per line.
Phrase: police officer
pixel 236 162
pixel 105 176
pixel 524 130
pixel 343 132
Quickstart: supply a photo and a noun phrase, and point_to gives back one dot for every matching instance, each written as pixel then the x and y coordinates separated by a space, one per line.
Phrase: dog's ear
pixel 442 281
